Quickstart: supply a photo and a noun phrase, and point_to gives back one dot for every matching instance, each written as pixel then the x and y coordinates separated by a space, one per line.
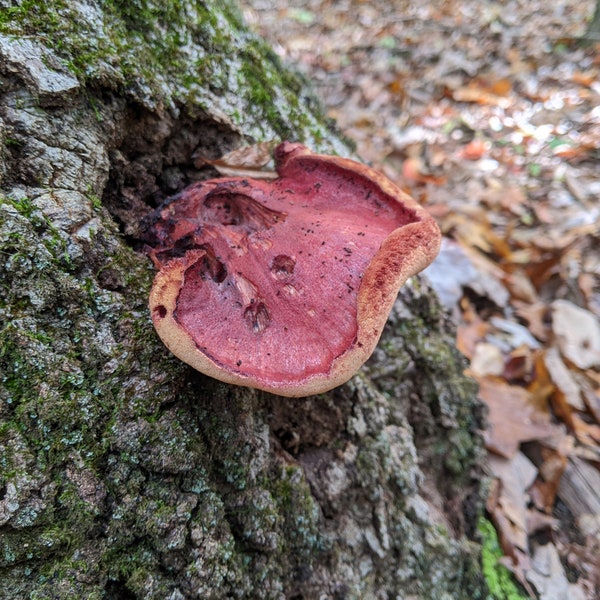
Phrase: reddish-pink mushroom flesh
pixel 285 285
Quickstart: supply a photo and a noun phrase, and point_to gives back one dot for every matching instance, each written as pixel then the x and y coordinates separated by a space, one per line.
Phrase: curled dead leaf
pixel 254 161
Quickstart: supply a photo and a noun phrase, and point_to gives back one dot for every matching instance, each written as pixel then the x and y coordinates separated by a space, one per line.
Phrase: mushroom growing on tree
pixel 285 285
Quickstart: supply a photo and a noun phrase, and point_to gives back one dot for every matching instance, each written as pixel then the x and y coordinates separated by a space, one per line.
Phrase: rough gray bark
pixel 123 473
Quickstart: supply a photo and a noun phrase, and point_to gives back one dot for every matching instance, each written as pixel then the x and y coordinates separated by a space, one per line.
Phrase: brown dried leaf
pixel 536 316
pixel 562 378
pixel 538 521
pixel 543 492
pixel 542 390
pixel 247 161
pixel 475 149
pixel 520 287
pixel 481 92
pixel 591 395
pixel 513 418
pixel 476 234
pixel 516 474
pixel 586 433
pixel 587 282
pixel 519 365
pixel 511 198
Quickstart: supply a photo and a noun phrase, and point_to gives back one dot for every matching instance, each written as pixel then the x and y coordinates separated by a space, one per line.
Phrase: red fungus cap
pixel 285 285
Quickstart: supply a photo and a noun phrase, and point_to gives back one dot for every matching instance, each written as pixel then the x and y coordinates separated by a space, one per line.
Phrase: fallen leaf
pixel 516 473
pixel 587 433
pixel 520 287
pixel 536 316
pixel 487 359
pixel 512 417
pixel 511 335
pixel 577 333
pixel 541 388
pixel 587 78
pixel 414 170
pixel 538 521
pixel 480 92
pixel 247 161
pixel 456 269
pixel 518 366
pixel 475 149
pixel 500 87
pixel 478 234
pixel 591 395
pixel 548 576
pixel 563 380
pixel 469 333
pixel 543 492
pixel 587 283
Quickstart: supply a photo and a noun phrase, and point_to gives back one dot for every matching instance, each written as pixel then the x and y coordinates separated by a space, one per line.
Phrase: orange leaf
pixel 414 171
pixel 541 388
pixel 501 87
pixel 475 149
pixel 481 92
pixel 587 78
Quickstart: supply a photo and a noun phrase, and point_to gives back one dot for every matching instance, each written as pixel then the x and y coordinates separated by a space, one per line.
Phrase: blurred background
pixel 488 113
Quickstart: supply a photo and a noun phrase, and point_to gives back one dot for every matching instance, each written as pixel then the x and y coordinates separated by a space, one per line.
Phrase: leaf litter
pixel 489 114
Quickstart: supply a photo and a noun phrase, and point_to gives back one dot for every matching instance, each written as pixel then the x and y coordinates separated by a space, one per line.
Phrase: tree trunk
pixel 125 474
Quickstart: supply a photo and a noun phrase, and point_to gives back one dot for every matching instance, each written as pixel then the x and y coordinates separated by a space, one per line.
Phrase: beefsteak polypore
pixel 285 285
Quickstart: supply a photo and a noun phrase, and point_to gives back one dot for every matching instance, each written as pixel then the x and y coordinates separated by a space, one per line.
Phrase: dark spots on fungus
pixel 161 311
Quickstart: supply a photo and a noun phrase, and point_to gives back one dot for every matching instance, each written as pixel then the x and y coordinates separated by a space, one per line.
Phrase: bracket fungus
pixel 285 285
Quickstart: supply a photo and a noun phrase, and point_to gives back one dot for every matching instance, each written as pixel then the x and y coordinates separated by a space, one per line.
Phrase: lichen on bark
pixel 122 472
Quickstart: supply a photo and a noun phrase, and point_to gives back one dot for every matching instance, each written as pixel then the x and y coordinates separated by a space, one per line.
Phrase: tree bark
pixel 125 474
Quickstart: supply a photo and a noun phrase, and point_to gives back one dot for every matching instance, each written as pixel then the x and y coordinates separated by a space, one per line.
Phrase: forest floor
pixel 489 114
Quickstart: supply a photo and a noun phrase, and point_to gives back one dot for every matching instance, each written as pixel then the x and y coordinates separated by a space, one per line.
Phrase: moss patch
pixel 501 583
pixel 180 52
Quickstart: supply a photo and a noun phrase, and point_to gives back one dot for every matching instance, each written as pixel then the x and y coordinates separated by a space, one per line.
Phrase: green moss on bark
pixel 194 53
pixel 122 472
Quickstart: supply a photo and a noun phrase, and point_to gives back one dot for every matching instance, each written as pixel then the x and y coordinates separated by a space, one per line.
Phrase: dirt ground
pixel 489 114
